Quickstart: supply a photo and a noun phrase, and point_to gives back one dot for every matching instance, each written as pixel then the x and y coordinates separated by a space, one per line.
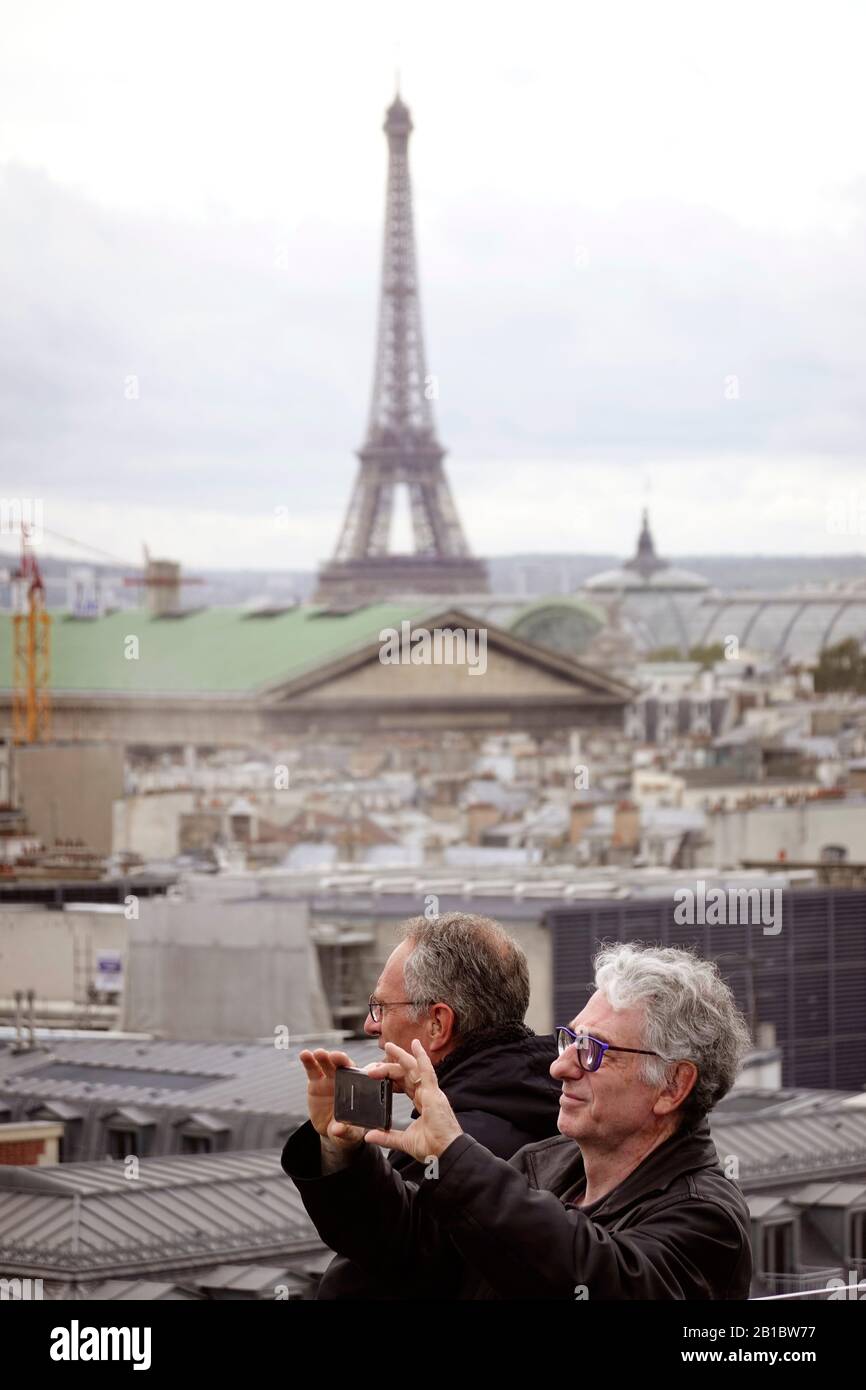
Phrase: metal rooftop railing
pixel 833 1281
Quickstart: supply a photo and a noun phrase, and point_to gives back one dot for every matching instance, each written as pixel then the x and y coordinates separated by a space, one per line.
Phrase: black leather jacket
pixel 675 1228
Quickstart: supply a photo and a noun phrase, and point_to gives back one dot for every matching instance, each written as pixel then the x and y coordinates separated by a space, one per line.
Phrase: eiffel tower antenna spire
pixel 401 447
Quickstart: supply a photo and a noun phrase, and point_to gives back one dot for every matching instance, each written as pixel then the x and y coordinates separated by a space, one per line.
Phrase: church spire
pixel 645 560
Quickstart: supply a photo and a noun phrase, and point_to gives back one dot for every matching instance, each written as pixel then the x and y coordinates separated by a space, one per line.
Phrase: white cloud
pixel 619 208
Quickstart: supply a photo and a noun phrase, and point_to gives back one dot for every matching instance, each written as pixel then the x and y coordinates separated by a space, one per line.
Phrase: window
pixel 201 1133
pixel 857 1236
pixel 777 1248
pixel 120 1143
pixel 196 1144
pixel 128 1132
pixel 834 854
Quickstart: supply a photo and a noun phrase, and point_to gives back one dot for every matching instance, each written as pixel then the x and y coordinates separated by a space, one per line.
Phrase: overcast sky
pixel 641 236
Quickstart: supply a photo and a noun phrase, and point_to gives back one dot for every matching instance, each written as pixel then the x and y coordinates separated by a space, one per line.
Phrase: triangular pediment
pixel 452 656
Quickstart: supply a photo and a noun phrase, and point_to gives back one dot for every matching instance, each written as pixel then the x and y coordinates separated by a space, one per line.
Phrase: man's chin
pixel 568 1125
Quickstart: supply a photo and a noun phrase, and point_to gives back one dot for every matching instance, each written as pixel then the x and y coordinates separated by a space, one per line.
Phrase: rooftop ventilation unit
pixel 272 610
pixel 340 610
pixel 180 612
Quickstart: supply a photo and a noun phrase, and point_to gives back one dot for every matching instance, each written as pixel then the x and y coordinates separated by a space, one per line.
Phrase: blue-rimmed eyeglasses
pixel 590 1050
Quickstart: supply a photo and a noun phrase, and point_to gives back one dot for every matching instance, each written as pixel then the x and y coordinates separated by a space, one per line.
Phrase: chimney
pixel 31 996
pixel 479 817
pixel 582 816
pixel 626 825
pixel 162 578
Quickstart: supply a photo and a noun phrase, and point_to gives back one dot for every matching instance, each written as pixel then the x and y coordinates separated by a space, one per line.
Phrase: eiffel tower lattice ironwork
pixel 401 447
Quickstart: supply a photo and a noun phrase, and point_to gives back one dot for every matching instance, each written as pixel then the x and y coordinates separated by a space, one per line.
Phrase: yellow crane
pixel 31 652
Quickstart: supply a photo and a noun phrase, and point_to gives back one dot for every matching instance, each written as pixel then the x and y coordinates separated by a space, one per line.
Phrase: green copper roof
pixel 562 623
pixel 558 603
pixel 218 649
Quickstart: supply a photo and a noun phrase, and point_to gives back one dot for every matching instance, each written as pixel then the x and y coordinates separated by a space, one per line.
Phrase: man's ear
pixel 441 1025
pixel 684 1077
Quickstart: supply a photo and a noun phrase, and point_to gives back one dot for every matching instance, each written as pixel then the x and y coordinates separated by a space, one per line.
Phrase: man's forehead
pixel 392 970
pixel 598 1016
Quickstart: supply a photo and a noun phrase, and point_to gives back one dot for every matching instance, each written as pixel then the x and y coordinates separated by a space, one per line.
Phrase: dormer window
pixel 857 1236
pixel 129 1131
pixel 203 1134
pixel 777 1248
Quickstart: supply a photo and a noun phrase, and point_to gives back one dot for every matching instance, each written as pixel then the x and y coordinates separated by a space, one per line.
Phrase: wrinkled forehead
pixel 599 1017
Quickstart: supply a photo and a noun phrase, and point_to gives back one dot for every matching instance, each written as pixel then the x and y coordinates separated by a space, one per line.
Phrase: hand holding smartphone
pixel 362 1100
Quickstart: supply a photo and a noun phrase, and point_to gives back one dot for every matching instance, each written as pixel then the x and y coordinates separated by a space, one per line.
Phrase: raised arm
pixel 359 1204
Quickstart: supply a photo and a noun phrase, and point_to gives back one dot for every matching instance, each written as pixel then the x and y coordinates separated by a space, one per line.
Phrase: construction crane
pixel 31 652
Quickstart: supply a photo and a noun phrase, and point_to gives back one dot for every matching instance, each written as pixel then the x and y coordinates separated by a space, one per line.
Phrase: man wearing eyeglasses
pixel 459 986
pixel 629 1201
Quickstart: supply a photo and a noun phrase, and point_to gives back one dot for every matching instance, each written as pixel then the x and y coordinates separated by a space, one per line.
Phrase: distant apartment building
pixel 661 718
pixel 808 830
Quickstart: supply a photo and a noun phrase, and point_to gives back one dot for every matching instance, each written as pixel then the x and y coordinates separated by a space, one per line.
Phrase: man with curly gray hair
pixel 628 1201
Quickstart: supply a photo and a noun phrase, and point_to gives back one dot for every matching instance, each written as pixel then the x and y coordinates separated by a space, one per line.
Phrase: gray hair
pixel 690 1014
pixel 469 963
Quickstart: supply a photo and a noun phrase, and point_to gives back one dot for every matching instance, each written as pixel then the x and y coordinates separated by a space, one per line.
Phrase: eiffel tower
pixel 401 447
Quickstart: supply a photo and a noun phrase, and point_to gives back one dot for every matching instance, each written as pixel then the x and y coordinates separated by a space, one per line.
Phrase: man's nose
pixel 566 1064
pixel 371 1028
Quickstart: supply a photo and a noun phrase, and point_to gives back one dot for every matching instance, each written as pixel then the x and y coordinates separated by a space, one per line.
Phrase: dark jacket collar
pixel 686 1151
pixel 504 1072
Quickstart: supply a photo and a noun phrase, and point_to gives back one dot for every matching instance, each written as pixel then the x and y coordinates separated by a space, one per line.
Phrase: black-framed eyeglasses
pixel 590 1050
pixel 377 1006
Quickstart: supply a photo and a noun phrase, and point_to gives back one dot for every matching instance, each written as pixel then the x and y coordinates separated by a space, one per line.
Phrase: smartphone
pixel 362 1100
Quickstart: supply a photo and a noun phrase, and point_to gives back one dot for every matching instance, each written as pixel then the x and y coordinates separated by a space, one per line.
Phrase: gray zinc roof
pixel 826 1142
pixel 91 1220
pixel 199 1076
pixel 754 1101
pixel 830 1194
pixel 137 1290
